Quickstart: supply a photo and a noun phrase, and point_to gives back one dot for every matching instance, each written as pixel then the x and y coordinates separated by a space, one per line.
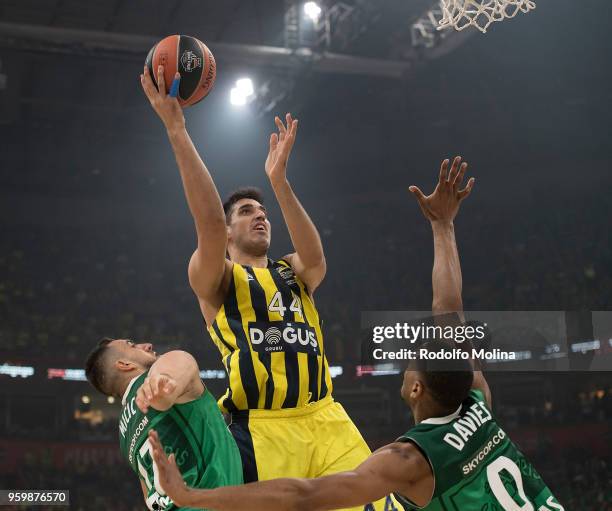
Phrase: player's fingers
pixel 149 389
pixel 172 460
pixel 290 137
pixel 280 125
pixel 160 383
pixel 459 177
pixel 141 403
pixel 294 127
pixel 454 169
pixel 416 191
pixel 161 81
pixel 156 444
pixel 147 83
pixel 158 454
pixel 443 170
pixel 273 142
pixel 154 437
pixel 153 441
pixel 159 458
pixel 420 197
pixel 146 390
pixel 467 190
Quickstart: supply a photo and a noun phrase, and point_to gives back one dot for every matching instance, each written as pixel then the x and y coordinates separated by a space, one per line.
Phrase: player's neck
pixel 245 259
pixel 125 382
pixel 429 411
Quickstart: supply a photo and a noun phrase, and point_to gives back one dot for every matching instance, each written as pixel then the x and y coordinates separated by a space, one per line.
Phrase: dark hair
pixel 96 367
pixel 447 380
pixel 241 193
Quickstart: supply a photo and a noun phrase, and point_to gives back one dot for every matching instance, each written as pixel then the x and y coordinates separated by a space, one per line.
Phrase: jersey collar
pixel 443 420
pixel 127 391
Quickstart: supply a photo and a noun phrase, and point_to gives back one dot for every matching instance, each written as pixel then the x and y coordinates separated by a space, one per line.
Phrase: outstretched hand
pixel 443 204
pixel 165 105
pixel 170 478
pixel 153 389
pixel 281 144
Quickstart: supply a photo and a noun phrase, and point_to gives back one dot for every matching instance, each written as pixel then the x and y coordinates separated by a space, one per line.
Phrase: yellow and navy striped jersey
pixel 269 334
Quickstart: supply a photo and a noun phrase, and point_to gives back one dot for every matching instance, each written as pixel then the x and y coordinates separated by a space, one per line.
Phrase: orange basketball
pixel 192 59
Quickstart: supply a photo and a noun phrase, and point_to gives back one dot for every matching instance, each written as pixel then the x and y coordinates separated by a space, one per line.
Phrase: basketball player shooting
pixel 261 313
pixel 456 457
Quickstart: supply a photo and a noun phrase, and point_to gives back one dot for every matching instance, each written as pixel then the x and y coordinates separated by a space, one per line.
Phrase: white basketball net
pixel 461 14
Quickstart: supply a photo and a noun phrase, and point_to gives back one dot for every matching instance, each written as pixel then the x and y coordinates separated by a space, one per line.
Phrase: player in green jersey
pixel 456 458
pixel 165 392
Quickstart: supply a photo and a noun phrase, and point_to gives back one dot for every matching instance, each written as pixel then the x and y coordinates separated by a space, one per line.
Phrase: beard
pixel 147 365
pixel 253 247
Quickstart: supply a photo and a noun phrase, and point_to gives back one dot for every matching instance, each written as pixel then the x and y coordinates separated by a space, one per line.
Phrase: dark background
pixel 96 235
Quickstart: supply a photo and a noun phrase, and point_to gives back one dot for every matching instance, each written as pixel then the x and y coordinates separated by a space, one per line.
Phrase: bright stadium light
pixel 312 10
pixel 110 400
pixel 237 98
pixel 85 400
pixel 245 85
pixel 243 92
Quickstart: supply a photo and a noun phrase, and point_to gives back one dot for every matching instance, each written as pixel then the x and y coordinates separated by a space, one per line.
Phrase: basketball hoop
pixel 461 14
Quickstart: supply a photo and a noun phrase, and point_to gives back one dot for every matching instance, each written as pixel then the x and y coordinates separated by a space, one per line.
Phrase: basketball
pixel 192 59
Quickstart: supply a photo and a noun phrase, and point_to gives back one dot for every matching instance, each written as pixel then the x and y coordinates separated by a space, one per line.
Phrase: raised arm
pixel 308 261
pixel 441 208
pixel 173 378
pixel 398 467
pixel 207 265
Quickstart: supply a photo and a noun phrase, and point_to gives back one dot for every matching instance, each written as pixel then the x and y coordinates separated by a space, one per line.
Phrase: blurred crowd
pixel 578 479
pixel 91 487
pixel 66 287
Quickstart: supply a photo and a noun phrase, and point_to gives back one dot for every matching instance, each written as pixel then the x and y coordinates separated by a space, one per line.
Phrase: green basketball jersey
pixel 195 432
pixel 475 465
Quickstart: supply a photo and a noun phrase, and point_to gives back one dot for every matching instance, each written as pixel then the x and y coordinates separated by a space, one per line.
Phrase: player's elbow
pixel 178 364
pixel 314 273
pixel 205 274
pixel 322 267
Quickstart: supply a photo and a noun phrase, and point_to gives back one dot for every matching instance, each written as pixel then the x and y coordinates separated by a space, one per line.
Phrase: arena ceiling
pixel 60 59
pixel 257 22
pixel 356 36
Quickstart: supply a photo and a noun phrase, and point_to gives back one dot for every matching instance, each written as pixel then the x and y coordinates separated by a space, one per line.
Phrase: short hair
pixel 447 380
pixel 242 193
pixel 96 367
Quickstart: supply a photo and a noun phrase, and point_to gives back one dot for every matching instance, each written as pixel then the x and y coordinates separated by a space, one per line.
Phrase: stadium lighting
pixel 245 85
pixel 85 400
pixel 242 92
pixel 110 400
pixel 237 98
pixel 312 10
pixel 16 370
